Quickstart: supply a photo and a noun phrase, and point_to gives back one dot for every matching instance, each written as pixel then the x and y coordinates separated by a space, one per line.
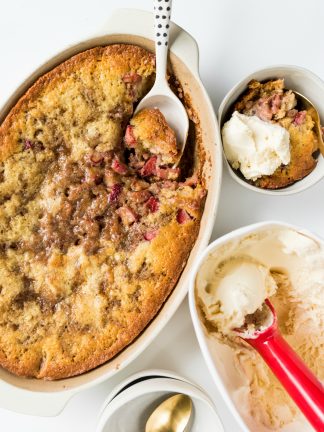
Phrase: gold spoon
pixel 309 107
pixel 172 415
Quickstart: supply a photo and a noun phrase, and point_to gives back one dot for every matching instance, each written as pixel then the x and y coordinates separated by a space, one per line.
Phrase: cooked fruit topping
pixel 183 216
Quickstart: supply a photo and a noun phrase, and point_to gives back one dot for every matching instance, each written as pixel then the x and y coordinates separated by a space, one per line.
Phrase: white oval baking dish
pixel 218 357
pixel 298 79
pixel 48 398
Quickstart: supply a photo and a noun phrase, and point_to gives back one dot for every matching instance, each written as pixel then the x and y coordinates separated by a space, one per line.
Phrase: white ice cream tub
pixel 48 398
pixel 219 357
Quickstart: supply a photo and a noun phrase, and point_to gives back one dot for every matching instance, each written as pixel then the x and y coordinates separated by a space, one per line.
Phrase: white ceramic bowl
pixel 296 78
pixel 219 357
pixel 143 392
pixel 38 397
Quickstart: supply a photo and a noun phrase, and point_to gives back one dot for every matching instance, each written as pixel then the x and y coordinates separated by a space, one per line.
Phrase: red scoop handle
pixel 303 387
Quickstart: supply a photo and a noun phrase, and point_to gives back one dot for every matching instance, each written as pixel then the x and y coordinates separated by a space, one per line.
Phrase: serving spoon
pixel 172 415
pixel 303 387
pixel 161 96
pixel 306 104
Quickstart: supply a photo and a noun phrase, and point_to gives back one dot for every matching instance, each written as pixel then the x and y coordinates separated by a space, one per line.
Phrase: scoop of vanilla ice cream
pixel 254 146
pixel 238 287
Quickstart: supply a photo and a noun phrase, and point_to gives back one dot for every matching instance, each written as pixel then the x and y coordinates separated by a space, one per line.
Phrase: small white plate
pixel 300 80
pixel 140 394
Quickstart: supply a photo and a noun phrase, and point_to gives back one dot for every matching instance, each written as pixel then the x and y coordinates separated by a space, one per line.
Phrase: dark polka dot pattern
pixel 162 19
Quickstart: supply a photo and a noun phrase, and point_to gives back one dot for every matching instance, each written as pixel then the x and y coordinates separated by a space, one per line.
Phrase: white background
pixel 235 37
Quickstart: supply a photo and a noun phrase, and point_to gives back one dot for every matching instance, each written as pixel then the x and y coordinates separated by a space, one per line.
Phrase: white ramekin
pixel 219 357
pixel 142 392
pixel 48 398
pixel 296 78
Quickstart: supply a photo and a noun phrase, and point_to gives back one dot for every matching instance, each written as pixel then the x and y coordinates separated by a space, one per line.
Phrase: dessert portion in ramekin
pixel 270 139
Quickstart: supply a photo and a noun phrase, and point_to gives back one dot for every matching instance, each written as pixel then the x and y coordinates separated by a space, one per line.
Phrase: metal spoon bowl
pixel 306 104
pixel 172 415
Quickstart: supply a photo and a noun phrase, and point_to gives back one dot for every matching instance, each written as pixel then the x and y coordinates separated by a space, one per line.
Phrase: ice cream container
pixel 219 357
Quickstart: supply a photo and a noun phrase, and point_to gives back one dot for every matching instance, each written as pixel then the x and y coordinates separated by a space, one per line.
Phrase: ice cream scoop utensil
pixel 303 387
pixel 308 105
pixel 161 96
pixel 172 415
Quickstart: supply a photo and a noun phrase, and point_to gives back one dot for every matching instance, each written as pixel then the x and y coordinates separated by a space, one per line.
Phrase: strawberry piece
pixel 183 216
pixel 115 192
pixel 118 166
pixel 275 103
pixel 300 118
pixel 152 204
pixel 150 235
pixel 132 77
pixel 127 215
pixel 263 110
pixel 28 144
pixel 130 139
pixel 149 168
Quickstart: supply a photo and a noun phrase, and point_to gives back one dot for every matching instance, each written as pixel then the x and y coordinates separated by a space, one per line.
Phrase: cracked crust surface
pixel 90 247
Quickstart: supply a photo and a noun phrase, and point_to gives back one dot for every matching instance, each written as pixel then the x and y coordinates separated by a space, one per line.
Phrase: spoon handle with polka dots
pixel 162 13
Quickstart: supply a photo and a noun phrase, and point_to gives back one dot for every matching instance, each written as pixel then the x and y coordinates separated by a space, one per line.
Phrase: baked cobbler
pixel 96 222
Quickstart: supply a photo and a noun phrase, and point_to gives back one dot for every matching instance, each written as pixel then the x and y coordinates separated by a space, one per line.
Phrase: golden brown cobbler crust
pixel 89 248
